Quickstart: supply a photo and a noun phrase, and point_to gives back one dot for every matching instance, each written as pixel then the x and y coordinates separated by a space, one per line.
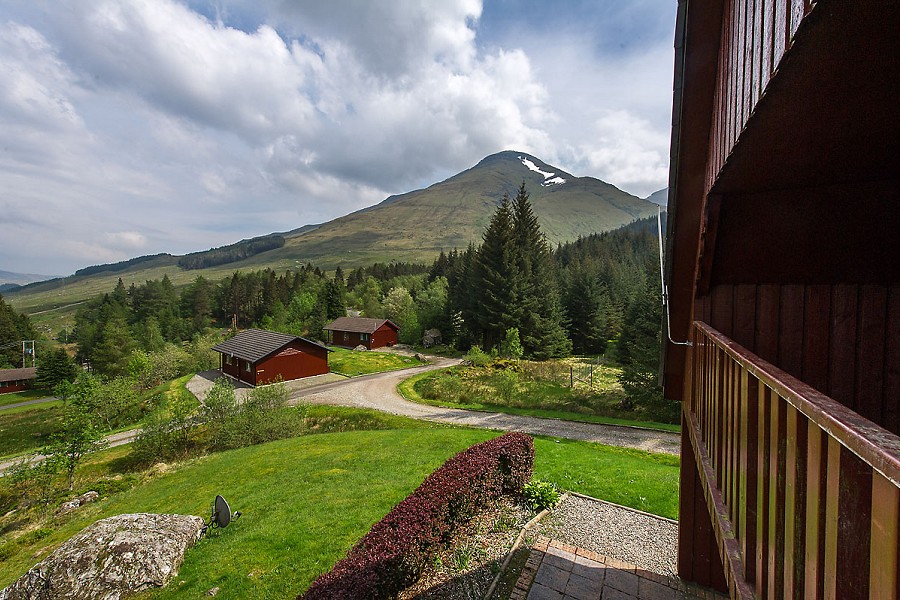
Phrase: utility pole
pixel 30 351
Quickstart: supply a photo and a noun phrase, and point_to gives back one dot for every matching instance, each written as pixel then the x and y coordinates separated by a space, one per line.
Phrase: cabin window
pixel 346 337
pixel 247 366
pixel 364 337
pixel 227 360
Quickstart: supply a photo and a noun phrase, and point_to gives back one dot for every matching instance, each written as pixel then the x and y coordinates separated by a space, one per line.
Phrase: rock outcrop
pixel 112 558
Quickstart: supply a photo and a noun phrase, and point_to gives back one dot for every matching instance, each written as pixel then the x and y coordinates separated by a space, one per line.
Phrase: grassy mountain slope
pixel 454 212
pixel 412 227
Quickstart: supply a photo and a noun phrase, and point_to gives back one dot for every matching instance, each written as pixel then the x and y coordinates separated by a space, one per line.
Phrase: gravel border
pixel 644 540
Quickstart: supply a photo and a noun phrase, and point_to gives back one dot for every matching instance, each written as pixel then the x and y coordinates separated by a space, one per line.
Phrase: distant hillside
pixel 232 253
pixel 454 212
pixel 414 226
pixel 660 197
pixel 119 266
pixel 8 277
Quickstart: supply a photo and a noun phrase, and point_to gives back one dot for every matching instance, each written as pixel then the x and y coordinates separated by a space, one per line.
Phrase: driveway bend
pixel 379 392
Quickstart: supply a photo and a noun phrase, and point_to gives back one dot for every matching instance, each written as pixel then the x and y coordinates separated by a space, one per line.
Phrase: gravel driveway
pixel 379 392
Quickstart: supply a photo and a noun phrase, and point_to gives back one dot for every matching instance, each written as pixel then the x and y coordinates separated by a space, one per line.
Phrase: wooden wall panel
pixel 790 334
pixel 754 38
pixel 757 45
pixel 891 403
pixel 817 319
pixel 843 340
pixel 767 320
pixel 779 31
pixel 842 363
pixel 768 22
pixel 870 351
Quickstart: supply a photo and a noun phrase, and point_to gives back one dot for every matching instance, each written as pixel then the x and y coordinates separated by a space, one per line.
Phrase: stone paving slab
pixel 558 571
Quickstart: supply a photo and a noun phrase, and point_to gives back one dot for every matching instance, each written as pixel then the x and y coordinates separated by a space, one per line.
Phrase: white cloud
pixel 126 240
pixel 179 130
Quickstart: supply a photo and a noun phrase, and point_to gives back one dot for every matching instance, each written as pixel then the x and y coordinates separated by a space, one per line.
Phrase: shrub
pixel 506 383
pixel 395 551
pixel 541 495
pixel 478 357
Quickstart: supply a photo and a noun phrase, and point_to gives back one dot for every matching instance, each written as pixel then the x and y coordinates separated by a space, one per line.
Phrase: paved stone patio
pixel 559 571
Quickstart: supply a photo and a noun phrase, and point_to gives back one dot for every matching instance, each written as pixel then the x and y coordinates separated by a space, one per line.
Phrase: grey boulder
pixel 112 558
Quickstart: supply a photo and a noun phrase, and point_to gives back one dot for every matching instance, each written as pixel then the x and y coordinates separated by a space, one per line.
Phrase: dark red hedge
pixel 393 554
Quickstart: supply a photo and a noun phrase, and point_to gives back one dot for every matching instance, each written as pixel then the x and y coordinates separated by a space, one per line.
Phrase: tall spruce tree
pixel 496 271
pixel 539 311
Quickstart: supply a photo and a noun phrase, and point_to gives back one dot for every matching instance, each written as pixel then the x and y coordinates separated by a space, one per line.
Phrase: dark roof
pixel 359 324
pixel 18 374
pixel 255 344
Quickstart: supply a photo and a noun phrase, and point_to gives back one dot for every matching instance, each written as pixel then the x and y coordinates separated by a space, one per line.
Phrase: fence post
pixel 592 375
pixel 571 377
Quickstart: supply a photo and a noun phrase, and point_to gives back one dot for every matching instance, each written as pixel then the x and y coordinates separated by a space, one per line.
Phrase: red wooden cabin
pixel 17 380
pixel 783 274
pixel 258 357
pixel 350 332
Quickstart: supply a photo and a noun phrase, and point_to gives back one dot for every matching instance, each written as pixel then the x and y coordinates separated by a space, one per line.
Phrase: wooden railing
pixel 804 494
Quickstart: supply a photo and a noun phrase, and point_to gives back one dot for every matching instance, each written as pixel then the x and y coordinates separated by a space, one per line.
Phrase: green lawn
pixel 16 397
pixel 306 500
pixel 352 363
pixel 29 427
pixel 535 399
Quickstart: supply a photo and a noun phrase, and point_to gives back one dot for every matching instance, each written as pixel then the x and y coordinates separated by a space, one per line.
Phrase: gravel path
pixel 379 392
pixel 644 540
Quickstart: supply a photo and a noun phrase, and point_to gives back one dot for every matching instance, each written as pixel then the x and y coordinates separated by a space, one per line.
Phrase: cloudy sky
pixel 132 127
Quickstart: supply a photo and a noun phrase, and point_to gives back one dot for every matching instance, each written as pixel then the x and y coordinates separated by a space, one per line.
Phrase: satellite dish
pixel 221 514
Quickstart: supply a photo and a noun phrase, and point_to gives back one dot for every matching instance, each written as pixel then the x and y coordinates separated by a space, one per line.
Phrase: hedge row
pixel 393 554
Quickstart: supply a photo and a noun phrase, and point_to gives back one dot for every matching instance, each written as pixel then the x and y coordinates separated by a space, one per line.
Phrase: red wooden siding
pixel 238 369
pixel 293 362
pixel 384 336
pixel 297 359
pixel 802 493
pixel 843 339
pixel 15 386
pixel 754 37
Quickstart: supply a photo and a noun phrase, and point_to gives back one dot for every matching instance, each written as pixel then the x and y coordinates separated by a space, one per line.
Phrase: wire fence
pixel 570 374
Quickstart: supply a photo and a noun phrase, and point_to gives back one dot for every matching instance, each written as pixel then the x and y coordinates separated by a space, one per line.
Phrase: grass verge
pixel 16 397
pixel 352 363
pixel 409 390
pixel 307 500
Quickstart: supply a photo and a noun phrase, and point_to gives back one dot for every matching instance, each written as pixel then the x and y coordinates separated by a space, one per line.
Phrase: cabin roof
pixel 255 344
pixel 18 374
pixel 359 324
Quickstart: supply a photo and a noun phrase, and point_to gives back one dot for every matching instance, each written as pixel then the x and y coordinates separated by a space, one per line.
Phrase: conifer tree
pixel 497 276
pixel 640 351
pixel 539 308
pixel 54 368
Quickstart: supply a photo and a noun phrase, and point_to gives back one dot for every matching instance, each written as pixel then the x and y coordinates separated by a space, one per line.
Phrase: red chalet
pixel 784 296
pixel 16 380
pixel 350 332
pixel 258 357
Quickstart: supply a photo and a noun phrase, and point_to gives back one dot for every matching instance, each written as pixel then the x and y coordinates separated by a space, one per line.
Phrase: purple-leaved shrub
pixel 395 551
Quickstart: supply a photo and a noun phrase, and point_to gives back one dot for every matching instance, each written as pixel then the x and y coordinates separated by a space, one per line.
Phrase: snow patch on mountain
pixel 549 178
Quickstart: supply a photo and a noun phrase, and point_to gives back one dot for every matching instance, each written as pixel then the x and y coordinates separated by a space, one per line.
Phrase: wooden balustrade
pixel 804 494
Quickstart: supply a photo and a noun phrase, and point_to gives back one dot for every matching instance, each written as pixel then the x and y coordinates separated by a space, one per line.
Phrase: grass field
pixel 537 399
pixel 306 500
pixel 352 363
pixel 29 427
pixel 16 397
